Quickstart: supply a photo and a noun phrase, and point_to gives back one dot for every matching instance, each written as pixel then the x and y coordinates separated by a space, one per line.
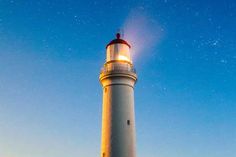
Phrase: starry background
pixel 51 53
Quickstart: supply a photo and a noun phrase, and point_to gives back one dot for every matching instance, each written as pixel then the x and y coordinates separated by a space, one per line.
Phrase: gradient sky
pixel 51 53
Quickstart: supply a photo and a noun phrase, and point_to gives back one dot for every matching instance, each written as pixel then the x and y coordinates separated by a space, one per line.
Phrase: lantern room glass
pixel 118 52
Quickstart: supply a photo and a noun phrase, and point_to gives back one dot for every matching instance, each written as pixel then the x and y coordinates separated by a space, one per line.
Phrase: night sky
pixel 51 53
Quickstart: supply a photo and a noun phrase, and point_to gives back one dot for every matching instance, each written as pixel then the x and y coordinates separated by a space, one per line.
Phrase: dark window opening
pixel 128 122
pixel 103 154
pixel 105 90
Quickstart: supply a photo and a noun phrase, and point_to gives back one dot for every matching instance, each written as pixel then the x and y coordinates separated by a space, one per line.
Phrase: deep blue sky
pixel 51 53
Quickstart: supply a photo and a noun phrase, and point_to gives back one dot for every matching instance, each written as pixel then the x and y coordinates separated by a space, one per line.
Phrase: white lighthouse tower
pixel 118 78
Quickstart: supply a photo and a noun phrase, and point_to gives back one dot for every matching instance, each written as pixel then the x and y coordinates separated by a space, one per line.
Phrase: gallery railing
pixel 118 67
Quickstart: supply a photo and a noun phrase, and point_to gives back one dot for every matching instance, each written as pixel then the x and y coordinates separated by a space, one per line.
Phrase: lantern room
pixel 118 50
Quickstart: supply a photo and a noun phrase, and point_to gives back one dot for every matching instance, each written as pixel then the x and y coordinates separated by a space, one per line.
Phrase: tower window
pixel 103 154
pixel 105 89
pixel 128 122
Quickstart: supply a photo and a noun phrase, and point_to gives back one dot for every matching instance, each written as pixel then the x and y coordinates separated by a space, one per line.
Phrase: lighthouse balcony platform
pixel 118 67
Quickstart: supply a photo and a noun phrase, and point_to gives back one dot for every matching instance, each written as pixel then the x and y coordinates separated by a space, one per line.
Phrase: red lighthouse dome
pixel 118 40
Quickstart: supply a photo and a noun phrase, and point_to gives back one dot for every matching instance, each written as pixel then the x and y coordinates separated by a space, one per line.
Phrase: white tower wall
pixel 118 122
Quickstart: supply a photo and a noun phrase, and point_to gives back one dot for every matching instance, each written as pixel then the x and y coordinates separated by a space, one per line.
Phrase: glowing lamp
pixel 123 58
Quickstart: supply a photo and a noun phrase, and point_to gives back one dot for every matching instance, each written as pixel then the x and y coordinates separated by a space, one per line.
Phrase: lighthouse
pixel 118 78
